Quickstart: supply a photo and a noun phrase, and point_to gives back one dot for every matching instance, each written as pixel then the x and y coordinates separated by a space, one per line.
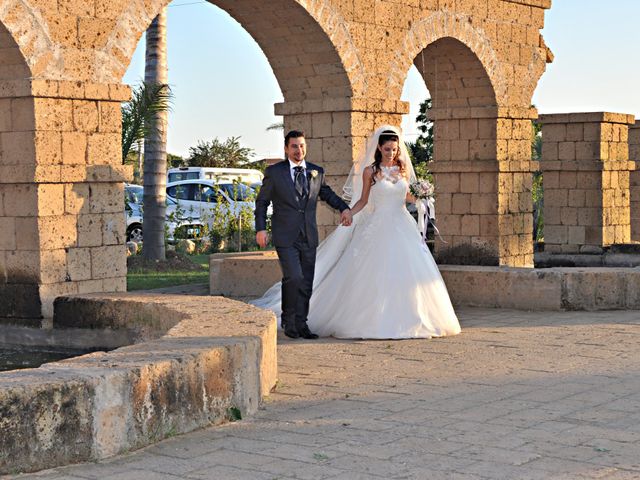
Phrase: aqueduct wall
pixel 341 66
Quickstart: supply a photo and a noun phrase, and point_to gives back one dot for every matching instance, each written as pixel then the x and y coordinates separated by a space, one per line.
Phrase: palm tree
pixel 155 144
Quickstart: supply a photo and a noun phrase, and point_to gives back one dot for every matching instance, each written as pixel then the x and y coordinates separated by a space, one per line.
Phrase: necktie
pixel 300 182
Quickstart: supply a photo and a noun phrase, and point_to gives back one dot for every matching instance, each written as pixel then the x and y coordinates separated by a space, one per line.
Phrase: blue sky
pixel 224 86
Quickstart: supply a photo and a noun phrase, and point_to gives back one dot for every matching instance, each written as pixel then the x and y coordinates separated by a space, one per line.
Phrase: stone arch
pixel 482 157
pixel 305 41
pixel 455 76
pixel 313 57
pixel 447 27
pixel 25 43
pixel 19 260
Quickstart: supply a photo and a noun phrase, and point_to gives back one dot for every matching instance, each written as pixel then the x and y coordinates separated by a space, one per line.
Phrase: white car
pixel 133 211
pixel 186 224
pixel 208 198
pixel 219 175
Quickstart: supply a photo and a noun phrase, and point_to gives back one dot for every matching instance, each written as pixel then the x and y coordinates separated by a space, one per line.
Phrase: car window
pixel 134 195
pixel 208 194
pixel 237 191
pixel 182 192
pixel 177 176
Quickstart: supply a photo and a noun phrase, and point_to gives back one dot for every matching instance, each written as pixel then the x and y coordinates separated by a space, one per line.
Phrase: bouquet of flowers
pixel 422 189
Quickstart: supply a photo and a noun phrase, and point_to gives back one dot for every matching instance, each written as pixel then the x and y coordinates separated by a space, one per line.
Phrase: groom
pixel 294 186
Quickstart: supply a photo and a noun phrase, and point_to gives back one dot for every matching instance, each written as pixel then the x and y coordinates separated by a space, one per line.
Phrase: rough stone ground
pixel 517 395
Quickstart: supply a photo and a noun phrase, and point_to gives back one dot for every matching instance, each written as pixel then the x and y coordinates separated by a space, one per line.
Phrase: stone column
pixel 483 175
pixel 634 155
pixel 585 165
pixel 61 183
pixel 336 130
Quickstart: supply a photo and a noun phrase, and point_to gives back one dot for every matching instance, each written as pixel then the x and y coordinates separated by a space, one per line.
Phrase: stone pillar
pixel 61 184
pixel 483 175
pixel 336 130
pixel 634 155
pixel 585 165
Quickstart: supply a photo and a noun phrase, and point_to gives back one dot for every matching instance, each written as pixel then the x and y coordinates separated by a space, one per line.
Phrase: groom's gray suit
pixel 294 233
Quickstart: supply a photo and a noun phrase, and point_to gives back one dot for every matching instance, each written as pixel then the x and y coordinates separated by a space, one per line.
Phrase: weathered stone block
pixel 57 232
pixel 470 225
pixel 7 235
pixel 104 149
pixel 85 116
pixel 113 229
pixel 78 264
pixel 27 233
pixel 53 114
pixel 51 200
pixel 470 183
pixel 89 228
pixel 108 262
pixel 18 148
pixel 321 125
pixel 107 198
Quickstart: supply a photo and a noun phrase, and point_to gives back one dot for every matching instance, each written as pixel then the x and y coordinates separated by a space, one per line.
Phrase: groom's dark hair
pixel 292 134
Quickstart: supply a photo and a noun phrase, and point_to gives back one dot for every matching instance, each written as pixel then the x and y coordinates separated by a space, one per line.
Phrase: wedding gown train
pixel 376 279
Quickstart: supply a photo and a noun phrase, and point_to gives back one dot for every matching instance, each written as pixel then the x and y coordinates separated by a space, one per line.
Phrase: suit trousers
pixel 298 264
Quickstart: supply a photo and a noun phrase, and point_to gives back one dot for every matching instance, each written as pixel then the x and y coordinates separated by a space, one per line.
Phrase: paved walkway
pixel 516 396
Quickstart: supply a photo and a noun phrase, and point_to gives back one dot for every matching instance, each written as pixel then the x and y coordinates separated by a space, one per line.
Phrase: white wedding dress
pixel 376 279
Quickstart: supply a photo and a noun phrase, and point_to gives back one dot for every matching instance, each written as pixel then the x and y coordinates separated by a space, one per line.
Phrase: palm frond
pixel 276 126
pixel 147 100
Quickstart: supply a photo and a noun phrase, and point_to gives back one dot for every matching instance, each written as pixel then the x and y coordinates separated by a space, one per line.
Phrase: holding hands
pixel 346 218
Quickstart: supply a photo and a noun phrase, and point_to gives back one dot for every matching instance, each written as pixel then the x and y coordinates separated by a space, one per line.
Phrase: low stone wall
pixel 606 259
pixel 241 275
pixel 195 362
pixel 544 288
pixel 249 275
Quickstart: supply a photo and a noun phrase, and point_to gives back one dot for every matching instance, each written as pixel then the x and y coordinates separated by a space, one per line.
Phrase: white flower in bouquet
pixel 422 189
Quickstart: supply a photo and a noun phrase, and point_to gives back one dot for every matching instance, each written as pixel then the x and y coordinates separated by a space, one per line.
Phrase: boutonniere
pixel 314 173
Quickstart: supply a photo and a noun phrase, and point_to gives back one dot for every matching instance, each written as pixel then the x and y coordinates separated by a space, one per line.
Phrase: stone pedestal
pixel 62 225
pixel 634 182
pixel 483 174
pixel 586 167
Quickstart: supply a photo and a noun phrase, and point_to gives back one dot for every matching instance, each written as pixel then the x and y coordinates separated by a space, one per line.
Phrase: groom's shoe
pixel 291 332
pixel 307 334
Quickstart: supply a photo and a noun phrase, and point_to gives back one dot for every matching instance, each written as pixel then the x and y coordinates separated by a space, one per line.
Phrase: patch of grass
pixel 173 272
pixel 234 414
pixel 202 260
pixel 147 281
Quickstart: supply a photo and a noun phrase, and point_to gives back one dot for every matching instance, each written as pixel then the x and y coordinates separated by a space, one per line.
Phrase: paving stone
pixel 228 473
pixel 301 470
pixel 134 474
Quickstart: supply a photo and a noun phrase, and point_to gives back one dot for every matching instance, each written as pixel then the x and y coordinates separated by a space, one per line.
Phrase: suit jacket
pixel 290 215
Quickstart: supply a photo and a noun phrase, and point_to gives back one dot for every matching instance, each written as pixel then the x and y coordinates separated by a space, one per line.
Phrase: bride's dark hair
pixel 386 136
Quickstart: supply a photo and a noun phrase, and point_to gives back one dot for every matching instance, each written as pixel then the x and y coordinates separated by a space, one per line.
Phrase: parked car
pixel 207 198
pixel 133 211
pixel 180 224
pixel 219 175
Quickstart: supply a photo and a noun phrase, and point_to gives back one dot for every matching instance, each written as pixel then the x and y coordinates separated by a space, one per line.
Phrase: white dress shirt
pixel 292 165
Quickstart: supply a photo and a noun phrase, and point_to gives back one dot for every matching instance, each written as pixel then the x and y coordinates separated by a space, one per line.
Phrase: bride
pixel 376 279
